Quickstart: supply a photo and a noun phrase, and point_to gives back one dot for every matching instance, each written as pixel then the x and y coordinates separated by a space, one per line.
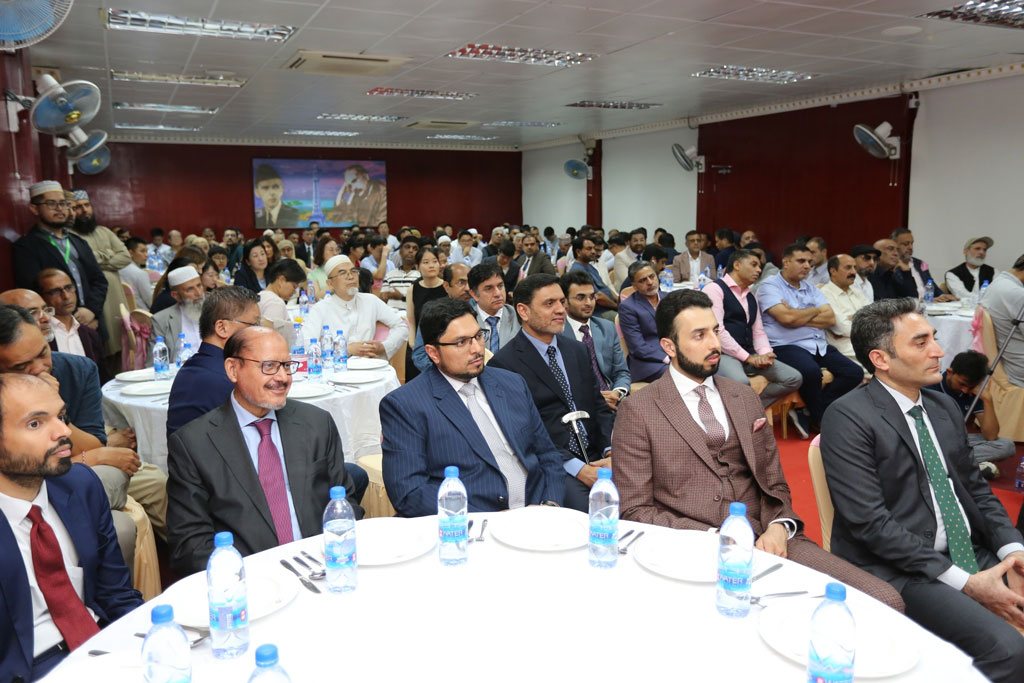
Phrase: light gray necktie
pixel 508 463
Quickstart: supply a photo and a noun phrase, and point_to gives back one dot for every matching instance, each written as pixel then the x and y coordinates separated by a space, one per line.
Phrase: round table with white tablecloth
pixel 352 405
pixel 508 614
pixel 953 332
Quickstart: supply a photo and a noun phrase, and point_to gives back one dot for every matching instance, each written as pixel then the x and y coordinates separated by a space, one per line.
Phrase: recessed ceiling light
pixel 211 79
pixel 521 124
pixel 754 74
pixel 373 118
pixel 901 31
pixel 323 133
pixel 1005 14
pixel 454 136
pixel 426 94
pixel 154 126
pixel 135 20
pixel 612 104
pixel 170 108
pixel 521 55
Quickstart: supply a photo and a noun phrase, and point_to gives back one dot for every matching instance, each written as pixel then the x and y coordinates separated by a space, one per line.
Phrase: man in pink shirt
pixel 745 348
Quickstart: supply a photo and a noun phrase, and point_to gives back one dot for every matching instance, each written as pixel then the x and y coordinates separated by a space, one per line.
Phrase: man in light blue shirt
pixel 795 315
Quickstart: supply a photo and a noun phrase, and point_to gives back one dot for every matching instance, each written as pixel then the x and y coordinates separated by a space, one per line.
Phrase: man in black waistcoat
pixel 967 278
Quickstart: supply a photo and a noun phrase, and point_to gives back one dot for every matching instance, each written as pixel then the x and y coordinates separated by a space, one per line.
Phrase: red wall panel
pixel 801 172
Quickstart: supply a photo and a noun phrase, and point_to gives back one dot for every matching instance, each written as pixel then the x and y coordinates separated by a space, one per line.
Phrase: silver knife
pixel 302 579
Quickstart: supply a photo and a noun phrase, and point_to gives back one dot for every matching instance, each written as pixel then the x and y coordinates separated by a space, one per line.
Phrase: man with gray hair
pixel 967 278
pixel 187 289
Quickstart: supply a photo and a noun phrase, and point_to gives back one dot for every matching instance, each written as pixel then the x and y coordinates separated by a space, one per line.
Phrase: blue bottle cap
pixel 159 339
pixel 297 326
pixel 338 493
pixel 223 538
pixel 312 341
pixel 162 614
pixel 738 509
pixel 604 473
pixel 835 591
pixel 451 472
pixel 266 655
pixel 328 327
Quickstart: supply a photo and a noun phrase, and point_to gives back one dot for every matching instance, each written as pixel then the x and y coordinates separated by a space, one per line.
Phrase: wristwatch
pixel 622 392
pixel 549 503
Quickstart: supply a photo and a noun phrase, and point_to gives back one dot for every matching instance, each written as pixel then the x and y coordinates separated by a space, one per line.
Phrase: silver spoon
pixel 624 549
pixel 314 574
pixel 756 599
pixel 766 572
pixel 480 538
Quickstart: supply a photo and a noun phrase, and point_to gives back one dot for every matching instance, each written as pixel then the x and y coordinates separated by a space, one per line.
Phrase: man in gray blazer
pixel 487 287
pixel 692 262
pixel 532 261
pixel 259 466
pixel 911 507
pixel 187 289
pixel 603 347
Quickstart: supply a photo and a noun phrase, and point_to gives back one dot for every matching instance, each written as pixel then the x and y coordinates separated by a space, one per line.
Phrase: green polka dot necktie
pixel 961 550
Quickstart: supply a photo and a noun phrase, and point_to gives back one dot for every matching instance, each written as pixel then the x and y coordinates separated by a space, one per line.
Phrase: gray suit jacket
pixel 541 263
pixel 213 486
pixel 508 326
pixel 884 520
pixel 167 324
pixel 610 358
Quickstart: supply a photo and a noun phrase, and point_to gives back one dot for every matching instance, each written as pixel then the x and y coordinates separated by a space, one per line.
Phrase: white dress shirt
pixel 694 266
pixel 358 317
pixel 844 305
pixel 68 341
pixel 275 309
pixel 190 328
pixel 15 510
pixel 864 286
pixel 957 287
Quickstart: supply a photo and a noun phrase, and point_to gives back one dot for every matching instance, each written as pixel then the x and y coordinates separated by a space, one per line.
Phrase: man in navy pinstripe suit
pixel 456 413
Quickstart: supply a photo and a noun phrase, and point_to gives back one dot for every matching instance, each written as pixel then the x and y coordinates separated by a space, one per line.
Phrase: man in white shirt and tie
pixel 487 287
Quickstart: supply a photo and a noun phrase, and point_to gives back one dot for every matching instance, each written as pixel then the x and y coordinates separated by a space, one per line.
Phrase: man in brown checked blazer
pixel 691 443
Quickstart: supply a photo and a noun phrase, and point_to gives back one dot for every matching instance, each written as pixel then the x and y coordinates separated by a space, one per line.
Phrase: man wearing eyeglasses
pixel 35 305
pixel 259 466
pixel 68 335
pixel 50 245
pixel 458 413
pixel 866 258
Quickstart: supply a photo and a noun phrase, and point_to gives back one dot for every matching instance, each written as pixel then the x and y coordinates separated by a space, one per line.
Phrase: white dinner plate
pixel 541 528
pixel 356 377
pixel 309 390
pixel 148 388
pixel 964 313
pixel 117 667
pixel 360 363
pixel 687 555
pixel 886 646
pixel 390 540
pixel 143 375
pixel 268 591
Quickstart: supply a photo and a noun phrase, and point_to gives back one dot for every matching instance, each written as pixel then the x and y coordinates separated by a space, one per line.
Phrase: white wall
pixel 549 196
pixel 643 184
pixel 967 172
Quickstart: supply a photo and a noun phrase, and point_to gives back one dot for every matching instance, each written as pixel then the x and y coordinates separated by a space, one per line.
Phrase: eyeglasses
pixel 66 289
pixel 270 367
pixel 345 273
pixel 38 313
pixel 461 344
pixel 246 323
pixel 53 205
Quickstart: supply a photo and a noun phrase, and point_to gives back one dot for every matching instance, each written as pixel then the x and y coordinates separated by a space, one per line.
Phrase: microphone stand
pixel 1014 325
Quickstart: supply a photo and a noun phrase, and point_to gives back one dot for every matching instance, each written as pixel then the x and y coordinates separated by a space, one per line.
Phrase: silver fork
pixel 625 549
pixel 480 538
pixel 756 599
pixel 314 574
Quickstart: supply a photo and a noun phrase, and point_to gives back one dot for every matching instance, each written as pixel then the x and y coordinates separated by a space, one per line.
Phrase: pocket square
pixel 759 423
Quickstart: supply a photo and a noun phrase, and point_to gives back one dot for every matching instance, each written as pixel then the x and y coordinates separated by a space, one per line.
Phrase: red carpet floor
pixel 794 463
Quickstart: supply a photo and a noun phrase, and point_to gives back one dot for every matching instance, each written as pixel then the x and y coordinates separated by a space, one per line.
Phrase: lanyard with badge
pixel 67 247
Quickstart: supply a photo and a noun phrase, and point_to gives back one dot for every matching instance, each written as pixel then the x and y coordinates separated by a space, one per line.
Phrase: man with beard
pixel 460 412
pixel 50 245
pixel 233 244
pixel 693 442
pixel 69 336
pixel 63 574
pixel 259 466
pixel 187 289
pixel 914 266
pixel 361 199
pixel 866 258
pixel 966 279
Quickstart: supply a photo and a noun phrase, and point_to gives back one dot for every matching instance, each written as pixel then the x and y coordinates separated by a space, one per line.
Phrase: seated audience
pixel 506 262
pixel 136 275
pixel 915 267
pixel 845 300
pixel 460 412
pixel 455 280
pixel 628 256
pixel 533 261
pixel 795 315
pixel 187 289
pixel 745 349
pixel 819 261
pixel 428 288
pixel 725 241
pixel 376 260
pixel 487 287
pixel 692 262
pixel 287 249
pixel 397 282
pixel 866 258
pixel 768 269
pixel 911 506
pixel 647 360
pixel 747 237
pixel 889 281
pixel 210 276
pixel 189 256
pixel 233 243
pixel 251 272
pixel 693 442
pixel 69 336
pixel 284 278
pixel 236 468
pixel 465 251
pixel 967 278
pixel 159 248
pixel 1004 300
pixel 355 248
pixel 326 249
pixel 356 313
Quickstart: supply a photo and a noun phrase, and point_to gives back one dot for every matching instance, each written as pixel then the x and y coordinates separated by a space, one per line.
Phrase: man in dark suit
pixel 647 360
pixel 307 245
pixel 561 380
pixel 54 511
pixel 889 281
pixel 269 188
pixel 915 267
pixel 259 466
pixel 508 265
pixel 911 507
pixel 532 261
pixel 459 413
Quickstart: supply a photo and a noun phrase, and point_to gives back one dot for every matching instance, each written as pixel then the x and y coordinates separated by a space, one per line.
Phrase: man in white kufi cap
pixel 187 289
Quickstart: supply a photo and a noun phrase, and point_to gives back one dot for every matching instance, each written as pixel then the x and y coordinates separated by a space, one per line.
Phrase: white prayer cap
pixel 334 262
pixel 80 195
pixel 43 186
pixel 180 276
pixel 472 231
pixel 444 239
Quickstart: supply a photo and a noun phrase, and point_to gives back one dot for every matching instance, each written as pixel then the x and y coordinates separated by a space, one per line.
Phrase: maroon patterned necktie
pixel 272 480
pixel 588 341
pixel 716 433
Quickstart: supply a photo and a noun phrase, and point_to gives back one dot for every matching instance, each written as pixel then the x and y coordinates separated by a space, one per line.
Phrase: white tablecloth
pixel 953 333
pixel 511 615
pixel 353 407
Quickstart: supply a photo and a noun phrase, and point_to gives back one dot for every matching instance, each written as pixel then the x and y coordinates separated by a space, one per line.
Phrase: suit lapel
pixel 532 360
pixel 295 457
pixel 14 586
pixel 671 405
pixel 731 400
pixel 597 332
pixel 890 412
pixel 226 435
pixel 452 407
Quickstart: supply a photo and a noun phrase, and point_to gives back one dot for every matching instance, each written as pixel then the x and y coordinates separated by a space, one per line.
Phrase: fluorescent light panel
pixel 1005 14
pixel 176 79
pixel 425 94
pixel 372 118
pixel 521 55
pixel 168 108
pixel 154 126
pixel 135 20
pixel 612 104
pixel 521 124
pixel 754 74
pixel 323 133
pixel 454 136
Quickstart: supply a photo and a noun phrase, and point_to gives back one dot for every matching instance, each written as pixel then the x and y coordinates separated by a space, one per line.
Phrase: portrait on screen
pixel 289 193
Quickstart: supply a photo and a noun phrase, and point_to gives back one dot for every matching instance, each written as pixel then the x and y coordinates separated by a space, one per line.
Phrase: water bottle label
pixel 827 671
pixel 453 529
pixel 337 558
pixel 229 616
pixel 734 578
pixel 604 532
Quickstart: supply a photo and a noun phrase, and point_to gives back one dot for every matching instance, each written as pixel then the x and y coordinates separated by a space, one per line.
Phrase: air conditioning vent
pixel 433 124
pixel 343 63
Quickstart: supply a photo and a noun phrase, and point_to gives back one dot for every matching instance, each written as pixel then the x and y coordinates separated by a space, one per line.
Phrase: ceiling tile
pixel 346 19
pixel 698 10
pixel 491 11
pixel 563 18
pixel 769 15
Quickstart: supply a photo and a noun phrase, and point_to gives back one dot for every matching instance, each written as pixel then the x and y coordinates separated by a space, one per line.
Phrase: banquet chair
pixel 822 497
pixel 793 400
pixel 375 501
pixel 127 341
pixel 398 360
pixel 129 295
pixel 1008 398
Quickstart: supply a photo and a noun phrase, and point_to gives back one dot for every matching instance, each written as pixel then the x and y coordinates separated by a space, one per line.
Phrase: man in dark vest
pixel 966 279
pixel 745 348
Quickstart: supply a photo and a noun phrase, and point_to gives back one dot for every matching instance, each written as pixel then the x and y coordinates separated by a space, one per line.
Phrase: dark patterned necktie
pixel 588 341
pixel 716 433
pixel 492 321
pixel 271 475
pixel 563 384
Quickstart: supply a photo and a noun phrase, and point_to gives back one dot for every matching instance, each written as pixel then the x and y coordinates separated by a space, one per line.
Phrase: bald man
pixel 34 304
pixel 889 281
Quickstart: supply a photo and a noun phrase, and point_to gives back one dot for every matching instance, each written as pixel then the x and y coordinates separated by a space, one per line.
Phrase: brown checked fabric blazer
pixel 665 473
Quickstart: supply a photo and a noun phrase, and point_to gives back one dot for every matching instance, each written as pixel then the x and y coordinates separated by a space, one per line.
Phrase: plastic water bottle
pixel 340 543
pixel 452 520
pixel 604 521
pixel 183 355
pixel 340 352
pixel 929 292
pixel 720 273
pixel 267 668
pixel 299 351
pixel 666 279
pixel 981 293
pixel 735 561
pixel 166 655
pixel 303 304
pixel 226 275
pixel 704 278
pixel 327 349
pixel 229 607
pixel 1018 483
pixel 314 362
pixel 833 639
pixel 161 359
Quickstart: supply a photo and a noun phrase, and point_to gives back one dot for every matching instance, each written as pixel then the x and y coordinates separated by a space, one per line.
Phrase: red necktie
pixel 66 609
pixel 272 480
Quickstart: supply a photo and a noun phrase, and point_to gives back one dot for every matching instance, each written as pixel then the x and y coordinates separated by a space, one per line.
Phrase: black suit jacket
pixel 304 252
pixel 33 252
pixel 892 284
pixel 213 486
pixel 884 520
pixel 287 217
pixel 511 278
pixel 520 356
